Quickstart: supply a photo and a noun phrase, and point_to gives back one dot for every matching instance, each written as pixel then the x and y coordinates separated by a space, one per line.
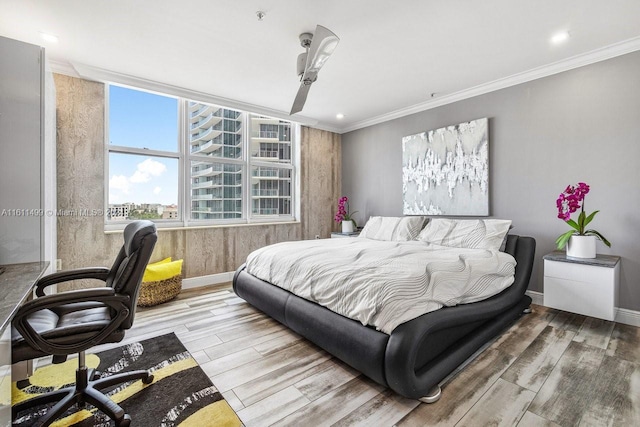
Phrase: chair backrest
pixel 126 273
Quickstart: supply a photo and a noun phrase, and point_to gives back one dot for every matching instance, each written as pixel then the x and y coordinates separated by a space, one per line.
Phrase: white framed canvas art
pixel 446 171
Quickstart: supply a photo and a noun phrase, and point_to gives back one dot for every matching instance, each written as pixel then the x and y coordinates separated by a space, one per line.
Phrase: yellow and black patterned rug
pixel 181 394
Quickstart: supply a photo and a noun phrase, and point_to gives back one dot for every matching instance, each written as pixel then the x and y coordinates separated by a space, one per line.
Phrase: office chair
pixel 72 322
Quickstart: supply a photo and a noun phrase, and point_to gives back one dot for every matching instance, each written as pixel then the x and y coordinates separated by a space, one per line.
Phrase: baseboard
pixel 211 279
pixel 623 315
pixel 536 297
pixel 628 317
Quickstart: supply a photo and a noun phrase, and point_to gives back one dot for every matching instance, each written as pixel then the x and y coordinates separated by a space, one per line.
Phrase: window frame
pixel 280 165
pixel 185 157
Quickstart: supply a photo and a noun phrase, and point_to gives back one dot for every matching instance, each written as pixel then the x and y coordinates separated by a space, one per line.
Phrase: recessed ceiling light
pixel 560 37
pixel 49 37
pixel 339 116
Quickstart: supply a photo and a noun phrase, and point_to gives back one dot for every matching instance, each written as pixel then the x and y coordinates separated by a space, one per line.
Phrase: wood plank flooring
pixel 551 368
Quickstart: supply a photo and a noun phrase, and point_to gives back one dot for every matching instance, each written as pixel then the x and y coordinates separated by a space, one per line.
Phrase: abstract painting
pixel 446 171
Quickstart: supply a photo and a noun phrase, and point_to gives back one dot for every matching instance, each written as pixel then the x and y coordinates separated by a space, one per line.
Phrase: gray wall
pixel 580 125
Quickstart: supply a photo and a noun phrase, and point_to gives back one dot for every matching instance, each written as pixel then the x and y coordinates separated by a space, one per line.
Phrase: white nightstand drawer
pixel 578 272
pixel 584 286
pixel 595 300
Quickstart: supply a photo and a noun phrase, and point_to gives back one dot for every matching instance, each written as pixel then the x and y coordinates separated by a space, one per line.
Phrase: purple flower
pixel 343 210
pixel 568 202
pixel 571 199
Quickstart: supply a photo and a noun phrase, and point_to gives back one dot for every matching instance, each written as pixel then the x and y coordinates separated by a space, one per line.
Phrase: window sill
pixel 201 227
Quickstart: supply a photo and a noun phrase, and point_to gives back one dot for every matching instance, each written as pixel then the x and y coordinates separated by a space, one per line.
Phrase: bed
pixel 416 355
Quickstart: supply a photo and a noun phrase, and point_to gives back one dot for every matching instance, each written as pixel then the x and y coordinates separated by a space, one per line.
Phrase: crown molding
pixel 598 55
pixel 97 74
pixel 107 76
pixel 59 66
pixel 327 127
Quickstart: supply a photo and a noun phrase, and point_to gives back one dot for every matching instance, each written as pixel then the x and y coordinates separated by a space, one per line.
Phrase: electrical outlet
pixel 58 264
pixel 317 236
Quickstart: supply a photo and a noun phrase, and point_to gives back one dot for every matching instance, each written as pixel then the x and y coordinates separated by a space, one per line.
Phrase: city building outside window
pixel 178 161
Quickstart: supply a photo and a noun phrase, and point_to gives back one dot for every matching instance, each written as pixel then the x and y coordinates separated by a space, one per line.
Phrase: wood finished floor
pixel 551 368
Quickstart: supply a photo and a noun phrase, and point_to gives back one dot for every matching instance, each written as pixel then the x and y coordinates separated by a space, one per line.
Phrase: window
pixel 271 166
pixel 233 166
pixel 144 155
pixel 216 162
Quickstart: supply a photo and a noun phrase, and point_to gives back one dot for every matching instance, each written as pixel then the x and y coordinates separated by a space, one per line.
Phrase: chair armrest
pixel 107 296
pixel 56 300
pixel 99 273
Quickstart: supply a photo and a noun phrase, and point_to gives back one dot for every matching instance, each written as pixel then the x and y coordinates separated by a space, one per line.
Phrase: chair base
pixel 86 390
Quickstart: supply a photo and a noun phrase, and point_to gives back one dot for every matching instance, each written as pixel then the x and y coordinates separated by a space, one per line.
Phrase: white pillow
pixel 396 229
pixel 466 233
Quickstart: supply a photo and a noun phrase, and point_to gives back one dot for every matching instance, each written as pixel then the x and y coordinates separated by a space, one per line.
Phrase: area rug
pixel 181 394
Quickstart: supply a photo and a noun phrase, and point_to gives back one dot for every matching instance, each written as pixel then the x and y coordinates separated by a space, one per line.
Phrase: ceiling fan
pixel 319 47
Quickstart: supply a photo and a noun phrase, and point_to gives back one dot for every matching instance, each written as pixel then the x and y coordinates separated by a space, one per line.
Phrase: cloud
pixel 140 184
pixel 146 170
pixel 119 182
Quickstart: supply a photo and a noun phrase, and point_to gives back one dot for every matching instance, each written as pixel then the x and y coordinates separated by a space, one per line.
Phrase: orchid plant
pixel 569 201
pixel 343 211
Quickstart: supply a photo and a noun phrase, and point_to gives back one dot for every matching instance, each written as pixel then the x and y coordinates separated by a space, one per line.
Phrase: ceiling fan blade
pixel 322 46
pixel 301 98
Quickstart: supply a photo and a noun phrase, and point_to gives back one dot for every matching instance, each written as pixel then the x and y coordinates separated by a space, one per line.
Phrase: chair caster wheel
pixel 125 421
pixel 148 380
pixel 527 310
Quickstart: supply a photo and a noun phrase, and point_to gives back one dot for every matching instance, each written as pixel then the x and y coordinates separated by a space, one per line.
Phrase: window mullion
pixel 247 167
pixel 272 165
pixel 184 180
pixel 197 158
pixel 106 153
pixel 143 151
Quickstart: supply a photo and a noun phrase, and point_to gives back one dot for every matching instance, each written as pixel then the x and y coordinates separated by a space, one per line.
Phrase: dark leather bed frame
pixel 418 354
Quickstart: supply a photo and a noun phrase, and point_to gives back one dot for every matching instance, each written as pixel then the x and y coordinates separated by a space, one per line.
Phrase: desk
pixel 16 285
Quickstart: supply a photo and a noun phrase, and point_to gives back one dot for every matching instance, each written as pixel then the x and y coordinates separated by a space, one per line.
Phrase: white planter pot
pixel 581 247
pixel 347 226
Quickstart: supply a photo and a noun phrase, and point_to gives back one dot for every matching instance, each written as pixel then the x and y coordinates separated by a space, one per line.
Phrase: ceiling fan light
pixel 325 44
pixel 325 50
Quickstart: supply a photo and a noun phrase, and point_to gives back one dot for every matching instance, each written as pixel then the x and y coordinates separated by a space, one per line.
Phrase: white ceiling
pixel 392 55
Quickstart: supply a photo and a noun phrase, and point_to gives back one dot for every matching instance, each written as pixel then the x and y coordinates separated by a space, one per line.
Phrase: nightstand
pixel 337 234
pixel 586 286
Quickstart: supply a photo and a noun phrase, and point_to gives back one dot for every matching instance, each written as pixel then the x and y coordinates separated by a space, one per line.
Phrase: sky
pixel 143 120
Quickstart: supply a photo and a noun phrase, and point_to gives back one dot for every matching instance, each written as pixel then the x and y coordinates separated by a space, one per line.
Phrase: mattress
pixel 380 283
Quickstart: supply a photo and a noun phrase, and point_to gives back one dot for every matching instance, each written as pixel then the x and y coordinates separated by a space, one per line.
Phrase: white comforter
pixel 380 283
